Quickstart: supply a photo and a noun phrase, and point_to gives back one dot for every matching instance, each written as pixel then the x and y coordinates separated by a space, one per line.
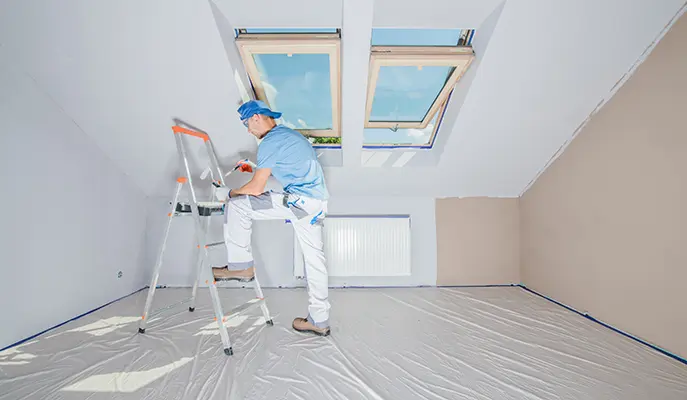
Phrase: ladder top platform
pixel 205 208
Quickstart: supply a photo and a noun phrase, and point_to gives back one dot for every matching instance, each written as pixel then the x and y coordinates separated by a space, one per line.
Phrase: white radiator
pixel 363 246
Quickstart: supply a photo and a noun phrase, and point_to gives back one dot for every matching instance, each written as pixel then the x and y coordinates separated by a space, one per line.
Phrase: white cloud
pixel 421 132
pixel 415 132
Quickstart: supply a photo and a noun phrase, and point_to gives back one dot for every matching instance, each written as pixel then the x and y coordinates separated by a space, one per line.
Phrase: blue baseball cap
pixel 250 108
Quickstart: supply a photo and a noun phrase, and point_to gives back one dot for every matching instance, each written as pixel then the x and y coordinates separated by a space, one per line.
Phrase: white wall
pixel 273 243
pixel 70 219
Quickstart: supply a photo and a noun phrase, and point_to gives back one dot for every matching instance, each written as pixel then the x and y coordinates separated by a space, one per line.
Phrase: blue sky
pixel 406 93
pixel 291 30
pixel 415 37
pixel 299 87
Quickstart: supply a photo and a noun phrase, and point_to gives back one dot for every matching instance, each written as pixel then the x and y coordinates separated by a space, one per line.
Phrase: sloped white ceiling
pixel 122 70
pixel 548 66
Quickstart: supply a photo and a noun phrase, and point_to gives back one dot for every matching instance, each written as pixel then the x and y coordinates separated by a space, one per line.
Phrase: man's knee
pixel 238 205
pixel 262 201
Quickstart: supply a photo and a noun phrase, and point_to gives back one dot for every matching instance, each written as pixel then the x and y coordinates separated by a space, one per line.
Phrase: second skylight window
pixel 408 84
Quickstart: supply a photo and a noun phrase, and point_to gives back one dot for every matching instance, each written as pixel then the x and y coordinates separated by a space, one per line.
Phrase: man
pixel 290 158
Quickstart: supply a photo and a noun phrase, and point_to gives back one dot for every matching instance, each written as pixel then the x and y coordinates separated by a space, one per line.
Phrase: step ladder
pixel 201 211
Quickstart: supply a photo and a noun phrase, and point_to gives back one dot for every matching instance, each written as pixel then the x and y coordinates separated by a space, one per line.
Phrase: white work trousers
pixel 306 215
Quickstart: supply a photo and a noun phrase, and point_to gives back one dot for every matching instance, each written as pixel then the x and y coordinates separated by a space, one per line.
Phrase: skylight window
pixel 298 74
pixel 412 73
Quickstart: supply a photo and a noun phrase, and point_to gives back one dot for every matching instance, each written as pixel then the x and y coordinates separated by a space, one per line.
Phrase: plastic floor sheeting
pixel 420 343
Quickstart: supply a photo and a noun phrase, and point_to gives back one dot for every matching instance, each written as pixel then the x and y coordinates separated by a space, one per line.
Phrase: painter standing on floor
pixel 290 158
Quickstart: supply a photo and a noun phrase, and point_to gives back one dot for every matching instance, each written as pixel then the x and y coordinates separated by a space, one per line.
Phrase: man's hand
pixel 257 184
pixel 221 193
pixel 245 165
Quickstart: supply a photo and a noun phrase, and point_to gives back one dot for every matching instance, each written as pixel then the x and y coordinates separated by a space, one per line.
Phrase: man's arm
pixel 256 186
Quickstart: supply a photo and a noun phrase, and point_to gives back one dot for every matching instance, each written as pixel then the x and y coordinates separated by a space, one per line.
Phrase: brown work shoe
pixel 303 325
pixel 226 274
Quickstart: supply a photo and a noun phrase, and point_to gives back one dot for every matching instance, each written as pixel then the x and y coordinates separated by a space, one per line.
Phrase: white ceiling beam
pixel 433 14
pixel 282 14
pixel 226 33
pixel 448 130
pixel 355 59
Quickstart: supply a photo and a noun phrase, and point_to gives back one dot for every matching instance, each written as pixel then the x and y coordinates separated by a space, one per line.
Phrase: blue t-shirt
pixel 293 162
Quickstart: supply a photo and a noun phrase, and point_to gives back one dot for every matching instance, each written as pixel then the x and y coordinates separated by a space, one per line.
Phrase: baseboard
pixel 589 317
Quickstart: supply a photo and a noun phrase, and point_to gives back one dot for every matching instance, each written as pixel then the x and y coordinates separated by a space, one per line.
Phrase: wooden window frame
pixel 459 57
pixel 300 43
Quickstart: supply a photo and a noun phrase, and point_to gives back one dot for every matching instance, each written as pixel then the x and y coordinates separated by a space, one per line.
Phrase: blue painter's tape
pixel 422 286
pixel 407 146
pixel 480 286
pixel 380 287
pixel 589 317
pixel 73 319
pixel 472 35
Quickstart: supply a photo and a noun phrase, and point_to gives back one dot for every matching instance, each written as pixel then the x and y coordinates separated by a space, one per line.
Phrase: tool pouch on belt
pixel 294 202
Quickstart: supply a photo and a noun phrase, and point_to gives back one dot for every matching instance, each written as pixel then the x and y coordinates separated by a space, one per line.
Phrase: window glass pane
pixel 406 93
pixel 298 85
pixel 380 136
pixel 290 30
pixel 415 37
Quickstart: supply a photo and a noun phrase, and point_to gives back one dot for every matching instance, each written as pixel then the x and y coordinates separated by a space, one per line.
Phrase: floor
pixel 422 343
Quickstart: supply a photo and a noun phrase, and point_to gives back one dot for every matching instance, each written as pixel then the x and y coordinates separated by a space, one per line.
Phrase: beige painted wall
pixel 604 229
pixel 477 241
